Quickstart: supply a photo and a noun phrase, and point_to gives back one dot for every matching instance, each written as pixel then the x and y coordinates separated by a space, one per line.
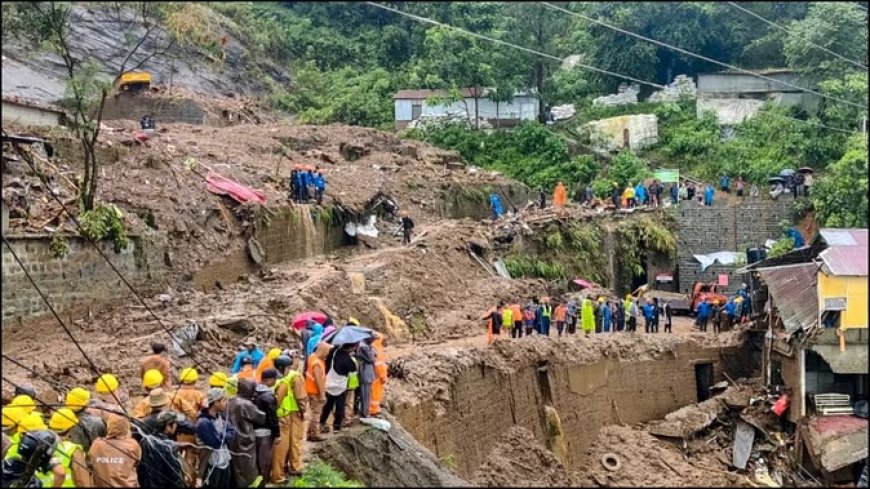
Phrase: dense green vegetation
pixel 321 474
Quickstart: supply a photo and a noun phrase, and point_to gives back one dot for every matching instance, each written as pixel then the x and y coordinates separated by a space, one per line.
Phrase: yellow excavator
pixel 134 81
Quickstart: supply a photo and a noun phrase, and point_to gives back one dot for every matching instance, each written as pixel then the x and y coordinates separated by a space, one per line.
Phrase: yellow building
pixel 842 279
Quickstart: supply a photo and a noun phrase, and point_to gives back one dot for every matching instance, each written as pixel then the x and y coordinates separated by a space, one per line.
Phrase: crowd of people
pixel 607 315
pixel 306 181
pixel 245 430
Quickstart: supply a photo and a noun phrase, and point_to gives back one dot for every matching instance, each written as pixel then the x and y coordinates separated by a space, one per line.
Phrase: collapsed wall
pixel 460 403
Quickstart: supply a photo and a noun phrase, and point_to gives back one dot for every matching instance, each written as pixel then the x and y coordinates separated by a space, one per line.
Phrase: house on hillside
pixel 816 347
pixel 735 96
pixel 411 105
pixel 28 113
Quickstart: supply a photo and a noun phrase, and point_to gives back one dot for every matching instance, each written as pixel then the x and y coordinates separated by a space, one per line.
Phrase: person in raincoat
pixel 648 316
pixel 709 192
pixel 530 316
pixel 606 317
pixel 560 195
pixel 316 335
pixel 250 349
pixel 573 313
pixel 244 416
pixel 587 316
pixel 294 182
pixel 319 186
pixel 305 335
pixel 628 196
pixel 215 432
pixel 640 194
pixel 619 316
pixel 495 205
pixel 380 375
pixel 560 316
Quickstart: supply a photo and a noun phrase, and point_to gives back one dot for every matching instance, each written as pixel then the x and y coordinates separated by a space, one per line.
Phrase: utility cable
pixel 59 320
pixel 505 43
pixel 30 163
pixel 549 56
pixel 705 58
pixel 759 17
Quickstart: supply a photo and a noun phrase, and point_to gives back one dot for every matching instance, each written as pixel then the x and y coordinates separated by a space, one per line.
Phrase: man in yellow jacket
pixel 292 406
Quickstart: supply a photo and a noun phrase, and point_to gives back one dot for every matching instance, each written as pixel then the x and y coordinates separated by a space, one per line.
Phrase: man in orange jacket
pixel 315 387
pixel 517 331
pixel 560 315
pixel 560 195
pixel 380 375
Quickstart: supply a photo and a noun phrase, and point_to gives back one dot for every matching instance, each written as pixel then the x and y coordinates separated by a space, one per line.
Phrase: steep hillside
pixel 103 33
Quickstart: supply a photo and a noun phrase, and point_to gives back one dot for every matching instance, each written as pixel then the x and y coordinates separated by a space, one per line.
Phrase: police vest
pixel 288 404
pixel 64 452
pixel 507 317
pixel 14 440
pixel 353 377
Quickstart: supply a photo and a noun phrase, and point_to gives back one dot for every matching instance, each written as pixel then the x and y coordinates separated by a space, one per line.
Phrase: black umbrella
pixel 806 169
pixel 775 180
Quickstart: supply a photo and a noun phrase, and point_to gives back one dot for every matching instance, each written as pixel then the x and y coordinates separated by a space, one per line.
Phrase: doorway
pixel 703 380
pixel 626 138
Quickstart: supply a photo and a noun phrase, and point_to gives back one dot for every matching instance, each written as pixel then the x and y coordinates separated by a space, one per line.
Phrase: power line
pixel 689 53
pixel 166 330
pixel 59 320
pixel 549 56
pixel 856 63
pixel 505 43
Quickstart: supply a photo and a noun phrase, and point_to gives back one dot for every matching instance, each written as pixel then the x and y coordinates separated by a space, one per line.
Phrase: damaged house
pixel 816 348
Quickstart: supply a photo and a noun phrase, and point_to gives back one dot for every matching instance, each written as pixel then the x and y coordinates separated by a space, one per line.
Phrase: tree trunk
pixel 476 110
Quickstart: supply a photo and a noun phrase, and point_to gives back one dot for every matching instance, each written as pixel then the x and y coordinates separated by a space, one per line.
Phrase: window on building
pixel 416 110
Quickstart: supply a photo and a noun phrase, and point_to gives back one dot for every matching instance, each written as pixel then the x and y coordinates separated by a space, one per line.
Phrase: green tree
pixel 838 26
pixel 840 194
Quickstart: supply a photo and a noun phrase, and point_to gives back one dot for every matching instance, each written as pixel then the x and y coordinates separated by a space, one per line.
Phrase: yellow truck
pixel 134 81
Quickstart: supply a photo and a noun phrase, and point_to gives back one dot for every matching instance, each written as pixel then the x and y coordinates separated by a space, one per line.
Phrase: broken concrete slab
pixel 743 439
pixel 835 442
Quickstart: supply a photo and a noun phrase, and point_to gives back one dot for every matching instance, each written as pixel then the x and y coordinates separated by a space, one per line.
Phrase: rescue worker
pixel 35 457
pixel 27 423
pixel 640 195
pixel 572 314
pixel 351 397
pixel 217 379
pixel 746 303
pixel 215 432
pixel 407 227
pixel 89 426
pixel 247 371
pixel 266 433
pixel 668 316
pixel 195 398
pixel 151 382
pixel 560 315
pixel 267 363
pixel 517 315
pixel 628 196
pixel 109 394
pixel 619 316
pixel 380 374
pixel 316 335
pixel 545 315
pixel 115 457
pixel 315 388
pixel 250 349
pixel 158 360
pixel 633 314
pixel 243 415
pixel 24 389
pixel 319 186
pixel 495 205
pixel 294 182
pixel 708 195
pixel 587 316
pixel 292 406
pixel 24 402
pixel 70 454
pixel 648 316
pixel 703 314
pixel 560 195
pixel 11 417
pixel 507 318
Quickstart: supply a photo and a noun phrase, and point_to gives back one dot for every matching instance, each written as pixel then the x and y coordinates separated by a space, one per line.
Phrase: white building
pixel 410 105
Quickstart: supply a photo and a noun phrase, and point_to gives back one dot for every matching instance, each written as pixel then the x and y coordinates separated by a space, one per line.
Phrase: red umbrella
pixel 301 319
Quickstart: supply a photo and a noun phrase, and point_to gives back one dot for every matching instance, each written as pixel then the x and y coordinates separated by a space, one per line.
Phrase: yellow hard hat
pixel 12 415
pixel 353 321
pixel 738 300
pixel 274 353
pixel 77 398
pixel 601 299
pixel 62 420
pixel 188 375
pixel 25 402
pixel 152 378
pixel 31 422
pixel 218 379
pixel 106 384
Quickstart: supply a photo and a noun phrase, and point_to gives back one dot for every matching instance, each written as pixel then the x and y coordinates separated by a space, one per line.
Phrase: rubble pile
pixel 682 88
pixel 519 460
pixel 731 439
pixel 626 94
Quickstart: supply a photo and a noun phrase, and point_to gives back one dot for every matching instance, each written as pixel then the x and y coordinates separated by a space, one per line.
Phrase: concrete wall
pixel 854 289
pixel 297 233
pixel 523 108
pixel 485 402
pixel 134 106
pixel 740 83
pixel 702 230
pixel 30 116
pixel 609 134
pixel 81 278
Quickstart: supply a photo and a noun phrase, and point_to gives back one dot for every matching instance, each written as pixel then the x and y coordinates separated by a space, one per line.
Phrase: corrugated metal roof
pixel 847 252
pixel 423 94
pixel 794 293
